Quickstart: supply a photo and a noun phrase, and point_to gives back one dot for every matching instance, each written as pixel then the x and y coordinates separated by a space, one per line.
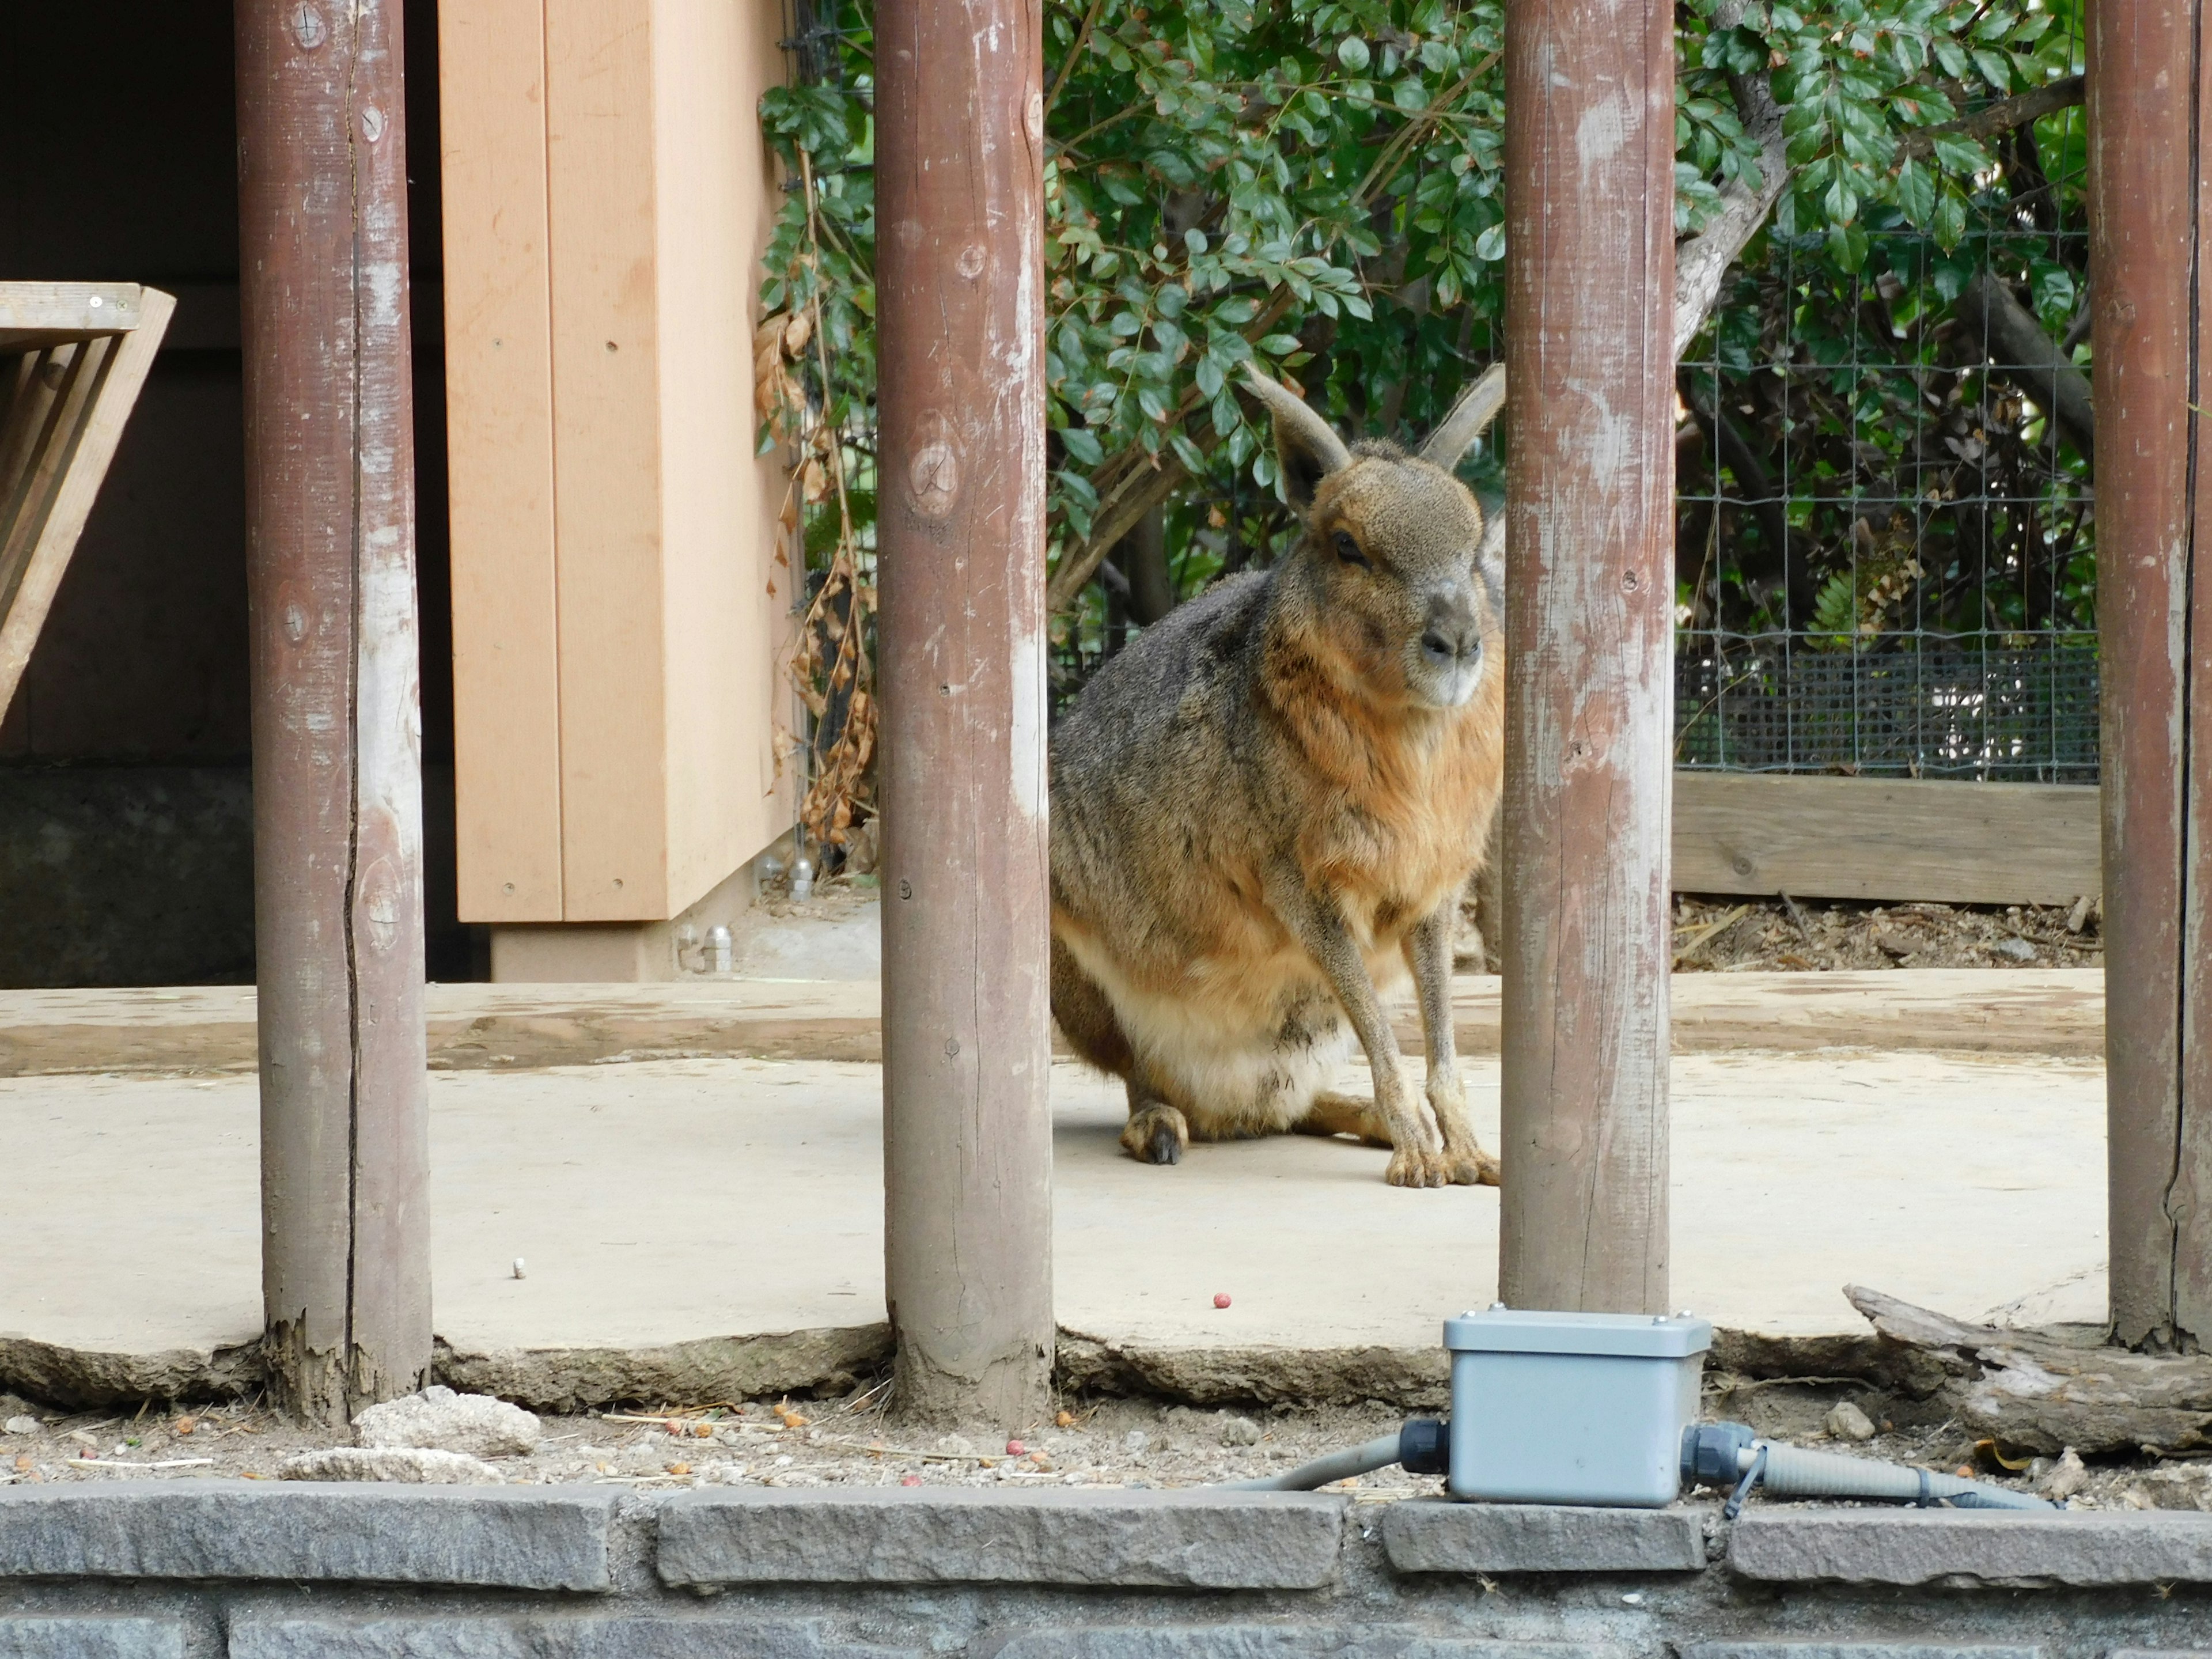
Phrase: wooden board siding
pixel 1876 838
pixel 499 390
pixel 619 602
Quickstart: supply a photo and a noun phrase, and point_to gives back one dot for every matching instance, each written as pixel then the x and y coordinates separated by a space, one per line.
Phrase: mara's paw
pixel 1410 1167
pixel 1157 1134
pixel 1474 1168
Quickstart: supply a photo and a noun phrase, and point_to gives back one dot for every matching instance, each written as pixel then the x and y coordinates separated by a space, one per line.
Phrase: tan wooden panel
pixel 499 413
pixel 1870 838
pixel 615 671
pixel 726 596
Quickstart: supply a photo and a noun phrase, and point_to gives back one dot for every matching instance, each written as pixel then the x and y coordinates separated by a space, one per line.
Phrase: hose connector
pixel 1424 1446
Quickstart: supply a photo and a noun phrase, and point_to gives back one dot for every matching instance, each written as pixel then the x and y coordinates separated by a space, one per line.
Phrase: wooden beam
pixel 1882 838
pixel 337 805
pixel 967 1019
pixel 2147 248
pixel 1589 286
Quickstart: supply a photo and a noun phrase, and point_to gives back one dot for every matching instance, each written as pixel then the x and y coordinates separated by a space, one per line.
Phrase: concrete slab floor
pixel 659 1201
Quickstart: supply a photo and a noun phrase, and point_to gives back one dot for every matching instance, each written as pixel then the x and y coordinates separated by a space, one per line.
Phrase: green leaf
pixel 1996 67
pixel 1959 155
pixel 1351 52
pixel 1916 192
pixel 1950 221
pixel 1490 247
pixel 1081 445
pixel 1847 246
pixel 1280 345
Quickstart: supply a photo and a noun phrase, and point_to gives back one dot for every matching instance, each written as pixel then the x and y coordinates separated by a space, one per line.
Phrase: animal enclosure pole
pixel 2150 286
pixel 1590 292
pixel 338 813
pixel 967 1034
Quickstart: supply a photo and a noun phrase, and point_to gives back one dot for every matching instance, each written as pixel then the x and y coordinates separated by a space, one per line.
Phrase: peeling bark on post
pixel 967 1034
pixel 1589 300
pixel 2147 241
pixel 336 719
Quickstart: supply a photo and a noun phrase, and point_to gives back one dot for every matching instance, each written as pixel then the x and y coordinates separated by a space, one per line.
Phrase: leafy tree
pixel 1316 185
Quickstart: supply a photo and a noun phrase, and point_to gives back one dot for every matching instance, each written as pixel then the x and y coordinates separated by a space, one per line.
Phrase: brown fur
pixel 1267 805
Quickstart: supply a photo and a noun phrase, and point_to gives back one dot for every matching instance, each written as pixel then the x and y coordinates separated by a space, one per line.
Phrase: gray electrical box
pixel 1572 1407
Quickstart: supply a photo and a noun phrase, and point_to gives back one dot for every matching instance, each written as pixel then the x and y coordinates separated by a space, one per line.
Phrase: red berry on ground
pixel 911 1480
pixel 1015 1449
pixel 1221 1299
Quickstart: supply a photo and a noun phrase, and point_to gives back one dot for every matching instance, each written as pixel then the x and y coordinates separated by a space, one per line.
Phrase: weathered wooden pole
pixel 337 819
pixel 967 1042
pixel 1590 294
pixel 2150 284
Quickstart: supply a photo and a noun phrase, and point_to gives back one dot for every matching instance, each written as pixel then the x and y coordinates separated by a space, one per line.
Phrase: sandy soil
pixel 1117 1442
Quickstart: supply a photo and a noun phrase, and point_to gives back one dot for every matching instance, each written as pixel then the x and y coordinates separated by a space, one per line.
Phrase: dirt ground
pixel 1107 1443
pixel 1730 935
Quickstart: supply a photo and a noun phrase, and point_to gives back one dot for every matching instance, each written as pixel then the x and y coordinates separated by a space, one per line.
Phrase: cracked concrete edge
pixel 1411 1378
pixel 832 1359
pixel 90 1378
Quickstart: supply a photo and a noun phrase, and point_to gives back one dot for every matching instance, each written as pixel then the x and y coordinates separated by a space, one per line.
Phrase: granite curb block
pixel 528 1637
pixel 897 1535
pixel 1434 1535
pixel 538 1538
pixel 1315 1641
pixel 1855 1650
pixel 91 1638
pixel 1887 1546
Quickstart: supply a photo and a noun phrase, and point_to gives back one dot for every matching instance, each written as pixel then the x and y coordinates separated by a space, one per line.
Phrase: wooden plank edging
pixel 2047 1012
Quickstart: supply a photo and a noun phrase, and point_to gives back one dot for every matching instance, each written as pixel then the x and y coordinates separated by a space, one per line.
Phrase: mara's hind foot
pixel 1156 1133
pixel 1340 1114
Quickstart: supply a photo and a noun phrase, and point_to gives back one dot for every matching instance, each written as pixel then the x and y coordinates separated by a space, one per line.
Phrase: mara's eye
pixel 1348 549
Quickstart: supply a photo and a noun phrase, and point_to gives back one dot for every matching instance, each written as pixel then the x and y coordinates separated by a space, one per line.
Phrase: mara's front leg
pixel 1417 1158
pixel 1429 954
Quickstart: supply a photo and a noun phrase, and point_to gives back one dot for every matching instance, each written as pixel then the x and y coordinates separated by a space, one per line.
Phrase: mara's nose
pixel 1451 635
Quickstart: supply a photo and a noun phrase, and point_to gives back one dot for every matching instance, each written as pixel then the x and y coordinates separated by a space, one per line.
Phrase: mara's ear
pixel 1470 418
pixel 1490 561
pixel 1306 449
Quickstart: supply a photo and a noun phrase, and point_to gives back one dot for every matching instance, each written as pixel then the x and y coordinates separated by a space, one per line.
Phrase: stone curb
pixel 537 1537
pixel 1434 1535
pixel 528 1637
pixel 1966 1547
pixel 91 1638
pixel 895 1536
pixel 1856 1650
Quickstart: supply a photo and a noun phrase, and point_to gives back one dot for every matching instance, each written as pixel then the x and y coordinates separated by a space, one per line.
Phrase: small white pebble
pixel 518 1272
pixel 1634 1598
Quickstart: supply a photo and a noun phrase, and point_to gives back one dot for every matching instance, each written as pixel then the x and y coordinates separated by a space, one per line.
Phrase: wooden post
pixel 337 817
pixel 2147 247
pixel 967 1043
pixel 1590 292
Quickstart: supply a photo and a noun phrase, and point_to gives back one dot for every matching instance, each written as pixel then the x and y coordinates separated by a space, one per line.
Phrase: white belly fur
pixel 1225 1061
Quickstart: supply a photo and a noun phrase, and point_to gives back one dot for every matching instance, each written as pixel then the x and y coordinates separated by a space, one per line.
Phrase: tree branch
pixel 1702 262
pixel 2000 117
pixel 2014 343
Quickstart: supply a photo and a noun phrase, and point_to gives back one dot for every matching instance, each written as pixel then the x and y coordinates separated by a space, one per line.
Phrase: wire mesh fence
pixel 1885 529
